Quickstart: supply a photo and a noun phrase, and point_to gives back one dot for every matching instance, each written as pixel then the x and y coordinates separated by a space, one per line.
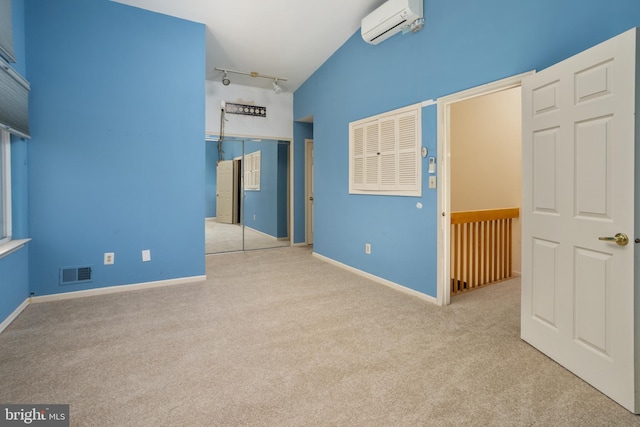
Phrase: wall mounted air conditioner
pixel 390 18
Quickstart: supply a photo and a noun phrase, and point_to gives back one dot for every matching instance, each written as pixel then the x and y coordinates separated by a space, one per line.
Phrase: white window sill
pixel 12 246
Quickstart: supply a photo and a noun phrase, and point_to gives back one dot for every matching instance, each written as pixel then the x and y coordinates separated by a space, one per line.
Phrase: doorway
pixel 471 149
pixel 247 194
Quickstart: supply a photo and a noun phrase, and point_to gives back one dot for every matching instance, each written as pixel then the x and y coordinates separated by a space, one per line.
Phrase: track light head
pixel 276 87
pixel 225 79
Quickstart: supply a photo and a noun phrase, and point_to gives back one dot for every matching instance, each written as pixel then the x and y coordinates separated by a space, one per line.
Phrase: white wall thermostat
pixel 432 165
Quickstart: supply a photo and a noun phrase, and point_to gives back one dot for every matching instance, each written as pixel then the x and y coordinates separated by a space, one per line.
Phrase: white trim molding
pixel 6 322
pixel 117 289
pixel 377 279
pixel 11 246
pixel 5 186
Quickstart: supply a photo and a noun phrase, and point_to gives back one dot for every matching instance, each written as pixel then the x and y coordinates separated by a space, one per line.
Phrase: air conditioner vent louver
pixel 75 275
pixel 373 39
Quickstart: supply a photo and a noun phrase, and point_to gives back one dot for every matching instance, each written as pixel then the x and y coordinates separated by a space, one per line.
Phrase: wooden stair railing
pixel 481 247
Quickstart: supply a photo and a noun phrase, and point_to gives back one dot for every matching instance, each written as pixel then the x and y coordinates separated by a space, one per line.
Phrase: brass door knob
pixel 620 239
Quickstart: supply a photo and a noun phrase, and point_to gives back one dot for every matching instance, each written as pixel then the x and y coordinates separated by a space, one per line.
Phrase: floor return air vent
pixel 73 275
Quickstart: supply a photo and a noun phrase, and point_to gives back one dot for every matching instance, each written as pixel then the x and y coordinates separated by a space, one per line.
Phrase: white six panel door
pixel 578 185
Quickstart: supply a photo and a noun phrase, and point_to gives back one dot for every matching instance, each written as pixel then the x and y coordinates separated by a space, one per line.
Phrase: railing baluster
pixel 454 258
pixel 510 249
pixel 467 276
pixel 472 259
pixel 486 252
pixel 500 246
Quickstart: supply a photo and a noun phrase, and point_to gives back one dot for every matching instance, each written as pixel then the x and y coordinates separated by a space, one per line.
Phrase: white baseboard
pixel 300 244
pixel 117 289
pixel 6 322
pixel 380 280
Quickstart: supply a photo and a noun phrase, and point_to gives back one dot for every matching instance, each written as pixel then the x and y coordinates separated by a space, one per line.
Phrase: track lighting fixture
pixel 276 86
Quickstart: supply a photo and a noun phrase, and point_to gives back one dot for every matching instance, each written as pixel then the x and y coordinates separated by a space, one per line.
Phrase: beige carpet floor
pixel 281 338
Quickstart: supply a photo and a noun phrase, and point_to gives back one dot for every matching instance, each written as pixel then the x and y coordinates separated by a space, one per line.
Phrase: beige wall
pixel 486 161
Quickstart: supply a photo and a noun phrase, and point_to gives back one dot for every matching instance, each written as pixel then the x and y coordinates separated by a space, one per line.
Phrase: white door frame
pixel 444 173
pixel 308 191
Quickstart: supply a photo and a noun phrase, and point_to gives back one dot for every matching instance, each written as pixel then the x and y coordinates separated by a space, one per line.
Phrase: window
pixel 5 187
pixel 14 101
pixel 384 153
pixel 14 119
pixel 6 31
pixel 252 171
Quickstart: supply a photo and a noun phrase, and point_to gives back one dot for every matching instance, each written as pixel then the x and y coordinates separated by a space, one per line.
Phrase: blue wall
pixel 14 268
pixel 14 281
pixel 116 160
pixel 465 43
pixel 261 207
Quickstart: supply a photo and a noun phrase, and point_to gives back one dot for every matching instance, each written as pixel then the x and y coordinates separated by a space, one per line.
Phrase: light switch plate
pixel 146 255
pixel 432 182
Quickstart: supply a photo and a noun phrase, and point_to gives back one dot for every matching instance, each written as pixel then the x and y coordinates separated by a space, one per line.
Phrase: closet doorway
pixel 247 194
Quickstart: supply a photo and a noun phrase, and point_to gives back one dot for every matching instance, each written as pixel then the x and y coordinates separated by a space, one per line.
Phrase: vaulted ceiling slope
pixel 284 38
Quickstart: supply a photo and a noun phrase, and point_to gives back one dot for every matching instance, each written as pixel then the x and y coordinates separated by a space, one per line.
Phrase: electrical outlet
pixel 109 258
pixel 254 217
pixel 146 255
pixel 367 248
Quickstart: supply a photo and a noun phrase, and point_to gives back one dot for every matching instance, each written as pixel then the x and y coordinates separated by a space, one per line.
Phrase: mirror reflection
pixel 247 195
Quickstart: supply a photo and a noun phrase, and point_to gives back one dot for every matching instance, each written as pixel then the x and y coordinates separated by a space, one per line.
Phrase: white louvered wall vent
pixel 384 153
pixel 75 275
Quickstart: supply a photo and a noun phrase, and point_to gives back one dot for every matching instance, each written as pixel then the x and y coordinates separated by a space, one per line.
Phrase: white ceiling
pixel 283 38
